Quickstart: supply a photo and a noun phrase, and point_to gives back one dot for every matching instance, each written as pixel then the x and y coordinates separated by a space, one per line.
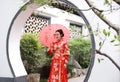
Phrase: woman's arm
pixel 66 53
pixel 50 49
pixel 66 49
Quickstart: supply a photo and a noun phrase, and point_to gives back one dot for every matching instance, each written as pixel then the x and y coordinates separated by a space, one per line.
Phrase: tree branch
pixel 100 10
pixel 117 1
pixel 112 9
pixel 99 14
pixel 100 53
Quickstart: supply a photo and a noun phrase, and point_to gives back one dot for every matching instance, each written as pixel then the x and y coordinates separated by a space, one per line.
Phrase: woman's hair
pixel 61 32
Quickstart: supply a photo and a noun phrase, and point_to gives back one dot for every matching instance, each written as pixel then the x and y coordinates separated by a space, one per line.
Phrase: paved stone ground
pixel 77 79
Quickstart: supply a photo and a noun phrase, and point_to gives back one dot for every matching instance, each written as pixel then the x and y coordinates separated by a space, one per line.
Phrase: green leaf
pixel 104 32
pixel 89 26
pixel 24 8
pixel 80 50
pixel 100 43
pixel 99 60
pixel 70 11
pixel 24 0
pixel 102 15
pixel 35 14
pixel 118 37
pixel 40 1
pixel 106 2
pixel 115 36
pixel 108 34
pixel 112 41
pixel 44 7
pixel 96 34
pixel 50 2
pixel 117 45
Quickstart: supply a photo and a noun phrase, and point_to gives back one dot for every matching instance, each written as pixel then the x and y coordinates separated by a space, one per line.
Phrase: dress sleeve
pixel 66 53
pixel 66 49
pixel 50 49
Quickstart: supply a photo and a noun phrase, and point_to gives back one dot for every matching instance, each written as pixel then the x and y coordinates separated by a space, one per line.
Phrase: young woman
pixel 60 51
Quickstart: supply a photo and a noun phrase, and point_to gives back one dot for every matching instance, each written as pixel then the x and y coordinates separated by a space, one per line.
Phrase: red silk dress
pixel 58 71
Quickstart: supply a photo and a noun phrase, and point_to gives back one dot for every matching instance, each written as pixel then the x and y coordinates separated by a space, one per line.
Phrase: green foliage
pixel 80 48
pixel 24 8
pixel 32 51
pixel 105 32
pixel 115 36
pixel 116 39
pixel 35 13
pixel 24 0
pixel 102 15
pixel 43 80
pixel 112 41
pixel 106 2
pixel 100 59
pixel 70 67
pixel 108 34
pixel 89 26
pixel 70 11
pixel 42 2
pixel 100 43
pixel 117 44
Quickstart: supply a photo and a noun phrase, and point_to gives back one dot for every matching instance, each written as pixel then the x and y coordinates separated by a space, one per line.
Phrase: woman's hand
pixel 49 50
pixel 66 53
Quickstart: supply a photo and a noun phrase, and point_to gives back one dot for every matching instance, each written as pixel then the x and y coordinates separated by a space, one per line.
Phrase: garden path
pixel 77 79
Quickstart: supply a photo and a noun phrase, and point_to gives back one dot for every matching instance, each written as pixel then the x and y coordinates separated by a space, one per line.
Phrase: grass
pixel 43 80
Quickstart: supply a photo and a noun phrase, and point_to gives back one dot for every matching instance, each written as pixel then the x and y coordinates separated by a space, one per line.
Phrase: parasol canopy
pixel 46 35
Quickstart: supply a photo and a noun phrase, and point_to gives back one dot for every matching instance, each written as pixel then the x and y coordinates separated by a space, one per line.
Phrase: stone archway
pixel 16 31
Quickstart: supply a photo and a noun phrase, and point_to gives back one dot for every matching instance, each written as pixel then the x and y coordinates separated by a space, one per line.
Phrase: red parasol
pixel 47 33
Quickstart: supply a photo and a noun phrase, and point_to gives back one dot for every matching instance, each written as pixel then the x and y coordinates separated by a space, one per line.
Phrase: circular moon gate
pixel 29 13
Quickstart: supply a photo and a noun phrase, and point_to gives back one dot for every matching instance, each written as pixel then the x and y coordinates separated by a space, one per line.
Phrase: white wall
pixel 8 9
pixel 104 71
pixel 101 72
pixel 59 16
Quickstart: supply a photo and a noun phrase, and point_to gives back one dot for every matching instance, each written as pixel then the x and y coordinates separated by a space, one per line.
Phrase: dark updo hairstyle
pixel 61 32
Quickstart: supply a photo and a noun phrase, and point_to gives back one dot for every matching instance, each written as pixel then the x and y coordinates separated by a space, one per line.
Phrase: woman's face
pixel 57 35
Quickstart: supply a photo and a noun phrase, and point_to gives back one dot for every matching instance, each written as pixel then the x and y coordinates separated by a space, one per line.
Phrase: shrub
pixel 33 52
pixel 80 49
